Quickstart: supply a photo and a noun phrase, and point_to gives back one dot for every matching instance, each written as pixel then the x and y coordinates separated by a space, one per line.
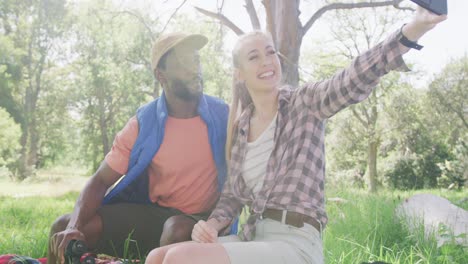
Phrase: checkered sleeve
pixel 356 82
pixel 229 205
pixel 227 209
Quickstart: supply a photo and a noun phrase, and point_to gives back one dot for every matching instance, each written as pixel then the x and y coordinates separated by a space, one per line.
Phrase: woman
pixel 275 149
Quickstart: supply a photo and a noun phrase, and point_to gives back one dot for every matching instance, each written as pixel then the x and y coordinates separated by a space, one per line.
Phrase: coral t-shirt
pixel 182 174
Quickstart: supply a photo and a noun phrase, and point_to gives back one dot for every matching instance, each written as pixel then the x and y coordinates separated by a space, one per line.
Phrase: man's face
pixel 183 73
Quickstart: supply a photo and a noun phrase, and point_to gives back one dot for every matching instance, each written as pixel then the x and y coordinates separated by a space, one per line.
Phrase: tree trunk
pixel 99 89
pixel 373 143
pixel 372 165
pixel 285 27
pixel 23 170
pixel 102 120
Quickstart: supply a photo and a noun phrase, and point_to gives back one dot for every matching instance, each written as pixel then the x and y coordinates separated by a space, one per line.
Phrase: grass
pixel 361 230
pixel 365 229
pixel 47 183
pixel 25 222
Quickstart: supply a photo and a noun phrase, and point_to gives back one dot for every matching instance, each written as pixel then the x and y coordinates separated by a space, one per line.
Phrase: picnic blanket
pixel 15 259
pixel 98 259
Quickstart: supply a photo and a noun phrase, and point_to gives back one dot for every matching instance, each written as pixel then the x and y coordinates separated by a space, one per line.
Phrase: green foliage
pixel 10 133
pixel 365 229
pixel 448 99
pixel 10 76
pixel 418 171
pixel 427 164
pixel 33 28
pixel 25 222
pixel 403 175
pixel 455 172
pixel 111 81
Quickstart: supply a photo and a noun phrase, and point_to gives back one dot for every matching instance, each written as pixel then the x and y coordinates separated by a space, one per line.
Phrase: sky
pixel 447 41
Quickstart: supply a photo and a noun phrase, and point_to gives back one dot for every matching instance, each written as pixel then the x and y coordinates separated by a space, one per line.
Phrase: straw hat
pixel 168 41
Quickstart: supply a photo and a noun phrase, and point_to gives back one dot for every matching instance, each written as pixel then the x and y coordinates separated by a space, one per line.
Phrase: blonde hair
pixel 241 98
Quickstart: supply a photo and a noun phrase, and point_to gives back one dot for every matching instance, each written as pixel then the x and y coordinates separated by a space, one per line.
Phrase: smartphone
pixel 438 7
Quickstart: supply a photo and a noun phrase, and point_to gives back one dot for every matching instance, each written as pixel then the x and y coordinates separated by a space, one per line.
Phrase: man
pixel 172 156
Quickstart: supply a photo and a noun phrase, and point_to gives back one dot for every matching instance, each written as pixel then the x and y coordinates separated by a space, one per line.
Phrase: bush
pixel 403 176
pixel 419 171
pixel 455 172
pixel 10 133
pixel 427 167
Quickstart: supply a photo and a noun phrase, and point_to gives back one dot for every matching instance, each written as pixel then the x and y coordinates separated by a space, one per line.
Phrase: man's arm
pixel 92 195
pixel 88 203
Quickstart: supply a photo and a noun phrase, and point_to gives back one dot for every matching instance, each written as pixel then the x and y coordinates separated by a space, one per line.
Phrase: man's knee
pixel 60 224
pixel 92 230
pixel 176 229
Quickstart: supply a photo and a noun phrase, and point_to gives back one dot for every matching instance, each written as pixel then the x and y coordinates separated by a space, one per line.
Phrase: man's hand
pixel 423 21
pixel 60 240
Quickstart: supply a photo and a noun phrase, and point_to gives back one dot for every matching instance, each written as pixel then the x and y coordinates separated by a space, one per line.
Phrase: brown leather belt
pixel 292 218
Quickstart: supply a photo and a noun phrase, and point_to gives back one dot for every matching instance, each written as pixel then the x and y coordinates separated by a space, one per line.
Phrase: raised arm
pixel 356 82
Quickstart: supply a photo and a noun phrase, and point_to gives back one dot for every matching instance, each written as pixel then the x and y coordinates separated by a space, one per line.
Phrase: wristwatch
pixel 408 43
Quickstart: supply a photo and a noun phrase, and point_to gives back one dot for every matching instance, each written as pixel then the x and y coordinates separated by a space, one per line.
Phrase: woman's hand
pixel 423 21
pixel 204 232
pixel 207 232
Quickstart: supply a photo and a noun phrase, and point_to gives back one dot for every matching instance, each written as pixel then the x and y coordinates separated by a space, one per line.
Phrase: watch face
pixel 438 7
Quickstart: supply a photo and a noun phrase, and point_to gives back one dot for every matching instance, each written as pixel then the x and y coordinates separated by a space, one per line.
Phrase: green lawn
pixel 362 229
pixel 365 229
pixel 25 222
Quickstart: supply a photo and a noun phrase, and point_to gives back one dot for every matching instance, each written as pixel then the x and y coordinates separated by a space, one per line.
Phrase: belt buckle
pixel 252 211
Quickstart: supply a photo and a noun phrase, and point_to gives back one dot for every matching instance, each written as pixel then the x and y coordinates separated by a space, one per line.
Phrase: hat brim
pixel 195 41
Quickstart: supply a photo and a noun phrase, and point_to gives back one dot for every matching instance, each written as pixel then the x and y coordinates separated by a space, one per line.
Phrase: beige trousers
pixel 276 243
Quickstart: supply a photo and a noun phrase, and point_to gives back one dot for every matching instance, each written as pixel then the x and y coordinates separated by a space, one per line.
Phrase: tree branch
pixel 224 20
pixel 270 20
pixel 173 14
pixel 335 6
pixel 252 14
pixel 140 19
pixel 448 105
pixel 359 118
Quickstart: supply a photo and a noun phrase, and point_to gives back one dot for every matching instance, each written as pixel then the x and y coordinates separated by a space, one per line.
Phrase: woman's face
pixel 259 64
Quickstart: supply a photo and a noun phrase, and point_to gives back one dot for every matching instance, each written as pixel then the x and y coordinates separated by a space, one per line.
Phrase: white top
pixel 256 159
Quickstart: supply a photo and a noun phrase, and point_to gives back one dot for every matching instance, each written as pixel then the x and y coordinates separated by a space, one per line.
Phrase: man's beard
pixel 182 91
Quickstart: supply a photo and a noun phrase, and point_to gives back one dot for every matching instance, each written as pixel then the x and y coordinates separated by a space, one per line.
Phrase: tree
pixel 287 30
pixel 9 140
pixel 33 27
pixel 357 33
pixel 109 81
pixel 448 101
pixel 10 74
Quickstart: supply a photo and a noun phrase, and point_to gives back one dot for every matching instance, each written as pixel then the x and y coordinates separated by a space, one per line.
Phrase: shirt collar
pixel 202 109
pixel 284 96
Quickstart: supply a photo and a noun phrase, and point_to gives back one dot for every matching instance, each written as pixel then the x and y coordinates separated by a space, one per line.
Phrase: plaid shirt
pixel 294 179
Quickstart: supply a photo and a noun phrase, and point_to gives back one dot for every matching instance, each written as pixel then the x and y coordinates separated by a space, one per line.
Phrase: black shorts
pixel 134 229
